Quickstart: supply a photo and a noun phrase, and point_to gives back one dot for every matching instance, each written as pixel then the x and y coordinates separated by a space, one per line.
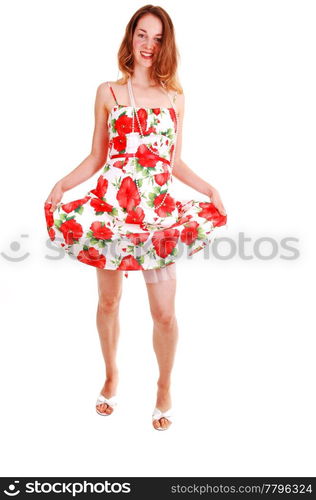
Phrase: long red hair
pixel 164 67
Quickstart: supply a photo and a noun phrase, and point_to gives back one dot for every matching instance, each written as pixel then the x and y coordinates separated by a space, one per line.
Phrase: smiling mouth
pixel 147 55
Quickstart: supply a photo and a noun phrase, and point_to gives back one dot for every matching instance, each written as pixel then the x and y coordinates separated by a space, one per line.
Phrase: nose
pixel 149 45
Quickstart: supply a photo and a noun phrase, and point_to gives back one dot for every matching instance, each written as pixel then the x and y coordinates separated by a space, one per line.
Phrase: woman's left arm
pixel 182 172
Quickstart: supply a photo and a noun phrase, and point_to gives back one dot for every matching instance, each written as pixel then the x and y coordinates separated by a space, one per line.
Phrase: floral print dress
pixel 118 225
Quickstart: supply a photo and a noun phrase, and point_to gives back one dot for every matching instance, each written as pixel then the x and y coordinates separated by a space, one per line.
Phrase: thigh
pixel 109 283
pixel 163 274
pixel 161 289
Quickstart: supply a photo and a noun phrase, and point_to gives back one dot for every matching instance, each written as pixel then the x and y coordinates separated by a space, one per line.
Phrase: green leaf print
pixel 201 234
pixel 117 183
pixel 58 223
pixel 85 247
pixel 138 167
pixel 152 196
pixel 157 189
pixel 114 211
pixel 146 172
pixel 106 168
pixel 150 203
pixel 140 182
pixel 79 209
pixel 152 253
pixel 117 261
pixel 101 244
pixel 63 217
pixel 140 259
pixel 174 251
pixel 168 133
pixel 113 126
pixel 94 241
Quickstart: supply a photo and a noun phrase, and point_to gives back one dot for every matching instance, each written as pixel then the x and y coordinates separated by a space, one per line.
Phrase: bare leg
pixel 110 291
pixel 161 296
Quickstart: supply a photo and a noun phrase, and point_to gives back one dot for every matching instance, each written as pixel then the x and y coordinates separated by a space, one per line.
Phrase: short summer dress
pixel 120 224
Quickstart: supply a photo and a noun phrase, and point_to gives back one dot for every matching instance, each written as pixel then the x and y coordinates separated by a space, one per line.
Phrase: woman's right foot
pixel 108 391
pixel 163 403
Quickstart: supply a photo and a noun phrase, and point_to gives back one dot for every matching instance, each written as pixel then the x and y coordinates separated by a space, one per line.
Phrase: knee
pixel 164 317
pixel 109 304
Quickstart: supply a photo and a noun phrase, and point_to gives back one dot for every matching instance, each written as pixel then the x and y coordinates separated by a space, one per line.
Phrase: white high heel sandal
pixel 112 402
pixel 158 414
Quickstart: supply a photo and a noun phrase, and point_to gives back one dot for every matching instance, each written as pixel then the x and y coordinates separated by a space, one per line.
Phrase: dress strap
pixel 171 99
pixel 112 93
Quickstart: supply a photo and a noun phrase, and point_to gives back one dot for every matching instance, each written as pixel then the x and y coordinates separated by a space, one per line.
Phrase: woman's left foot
pixel 163 405
pixel 107 396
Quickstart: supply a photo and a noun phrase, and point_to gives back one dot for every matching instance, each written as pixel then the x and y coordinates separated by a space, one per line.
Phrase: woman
pixel 131 220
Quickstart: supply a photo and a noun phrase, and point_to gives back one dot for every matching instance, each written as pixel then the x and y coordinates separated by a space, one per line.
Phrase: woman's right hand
pixel 54 196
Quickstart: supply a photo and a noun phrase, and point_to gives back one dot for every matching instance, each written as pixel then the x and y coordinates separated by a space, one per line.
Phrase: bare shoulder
pixel 104 94
pixel 179 103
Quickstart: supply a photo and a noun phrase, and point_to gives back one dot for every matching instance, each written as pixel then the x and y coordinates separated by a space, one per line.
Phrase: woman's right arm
pixel 96 159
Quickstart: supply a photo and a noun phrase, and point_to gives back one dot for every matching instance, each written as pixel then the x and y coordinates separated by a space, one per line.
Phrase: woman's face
pixel 147 39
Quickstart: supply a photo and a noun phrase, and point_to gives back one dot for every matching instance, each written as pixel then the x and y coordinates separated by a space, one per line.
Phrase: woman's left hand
pixel 216 200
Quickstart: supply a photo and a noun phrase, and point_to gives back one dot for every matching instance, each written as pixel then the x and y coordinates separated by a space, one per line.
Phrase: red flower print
pixel 150 130
pixel 142 117
pixel 119 142
pixel 120 163
pixel 135 216
pixel 138 238
pixel 101 232
pixel 100 206
pixel 190 233
pixel 164 241
pixel 156 111
pixel 123 125
pixel 161 179
pixel 51 233
pixel 92 257
pixel 101 188
pixel 198 248
pixel 145 157
pixel 173 116
pixel 69 207
pixel 129 263
pixel 48 215
pixel 128 196
pixel 183 207
pixel 210 212
pixel 71 230
pixel 167 207
pixel 182 220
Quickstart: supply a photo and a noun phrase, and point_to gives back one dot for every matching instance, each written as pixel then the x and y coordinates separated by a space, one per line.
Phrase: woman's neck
pixel 140 79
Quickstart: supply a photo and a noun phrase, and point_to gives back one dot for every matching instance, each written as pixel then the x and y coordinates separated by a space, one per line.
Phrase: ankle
pixel 112 376
pixel 163 386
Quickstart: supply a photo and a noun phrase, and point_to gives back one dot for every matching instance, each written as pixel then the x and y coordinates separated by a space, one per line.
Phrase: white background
pixel 243 381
